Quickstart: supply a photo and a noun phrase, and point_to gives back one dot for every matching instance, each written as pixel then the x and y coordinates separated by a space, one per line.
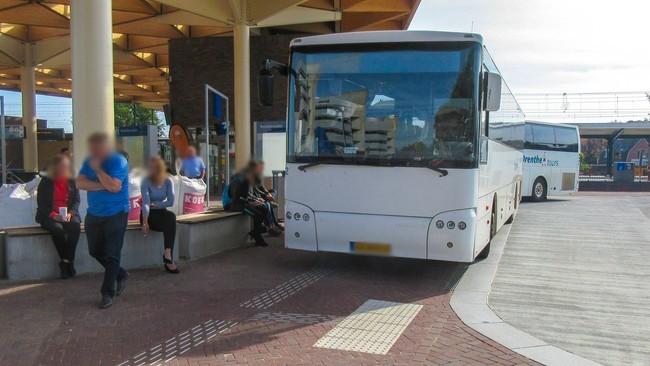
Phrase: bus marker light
pixel 451 225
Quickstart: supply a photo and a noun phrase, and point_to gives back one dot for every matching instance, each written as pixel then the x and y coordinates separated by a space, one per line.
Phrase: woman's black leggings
pixel 65 236
pixel 164 221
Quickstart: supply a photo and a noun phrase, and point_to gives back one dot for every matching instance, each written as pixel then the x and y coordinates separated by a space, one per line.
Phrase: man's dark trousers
pixel 105 239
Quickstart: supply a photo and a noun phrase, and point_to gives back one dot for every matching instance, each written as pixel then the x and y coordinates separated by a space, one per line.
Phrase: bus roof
pixel 551 124
pixel 386 37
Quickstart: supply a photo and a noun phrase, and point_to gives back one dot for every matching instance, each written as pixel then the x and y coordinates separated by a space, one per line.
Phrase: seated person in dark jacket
pixel 243 199
pixel 58 211
pixel 266 195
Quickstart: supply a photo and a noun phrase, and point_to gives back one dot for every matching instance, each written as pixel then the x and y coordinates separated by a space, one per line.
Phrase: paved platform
pixel 258 306
pixel 575 272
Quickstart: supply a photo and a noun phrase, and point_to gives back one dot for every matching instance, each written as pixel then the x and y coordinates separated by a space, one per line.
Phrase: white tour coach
pixel 551 156
pixel 388 150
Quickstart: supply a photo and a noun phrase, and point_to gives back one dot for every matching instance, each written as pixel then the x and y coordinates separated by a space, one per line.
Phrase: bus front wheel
pixel 539 190
pixel 493 231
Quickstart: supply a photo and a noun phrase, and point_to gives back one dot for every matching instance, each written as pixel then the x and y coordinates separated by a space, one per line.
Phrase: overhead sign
pixel 128 131
pixel 15 132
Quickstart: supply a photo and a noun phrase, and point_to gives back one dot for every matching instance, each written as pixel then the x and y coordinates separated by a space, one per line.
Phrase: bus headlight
pixel 462 225
pixel 440 224
pixel 289 215
pixel 296 216
pixel 305 217
pixel 451 225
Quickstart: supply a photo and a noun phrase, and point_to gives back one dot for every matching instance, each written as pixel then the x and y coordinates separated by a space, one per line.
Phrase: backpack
pixel 226 200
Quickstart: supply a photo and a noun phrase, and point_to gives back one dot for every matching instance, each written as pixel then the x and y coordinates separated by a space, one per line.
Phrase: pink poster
pixel 193 203
pixel 134 208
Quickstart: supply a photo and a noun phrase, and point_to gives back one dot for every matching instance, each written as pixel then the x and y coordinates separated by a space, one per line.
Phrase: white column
pixel 28 91
pixel 92 73
pixel 242 95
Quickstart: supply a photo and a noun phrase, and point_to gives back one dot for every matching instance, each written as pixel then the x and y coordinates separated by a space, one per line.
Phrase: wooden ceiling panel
pixel 33 14
pixel 37 33
pixel 319 4
pixel 200 31
pixel 147 27
pixel 142 31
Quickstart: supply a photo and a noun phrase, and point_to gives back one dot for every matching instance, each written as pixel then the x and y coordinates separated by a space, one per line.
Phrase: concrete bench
pixel 204 234
pixel 30 254
pixel 27 253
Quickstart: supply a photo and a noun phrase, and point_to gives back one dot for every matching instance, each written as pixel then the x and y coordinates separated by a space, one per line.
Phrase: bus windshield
pixel 389 104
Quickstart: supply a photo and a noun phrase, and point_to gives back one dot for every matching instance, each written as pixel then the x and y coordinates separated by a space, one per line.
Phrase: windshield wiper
pixel 343 161
pixel 304 167
pixel 443 172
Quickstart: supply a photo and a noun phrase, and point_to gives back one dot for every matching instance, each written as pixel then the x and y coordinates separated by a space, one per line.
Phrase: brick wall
pixel 196 61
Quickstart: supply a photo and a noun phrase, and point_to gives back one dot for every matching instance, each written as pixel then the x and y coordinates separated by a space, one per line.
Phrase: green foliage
pixel 127 114
pixel 584 167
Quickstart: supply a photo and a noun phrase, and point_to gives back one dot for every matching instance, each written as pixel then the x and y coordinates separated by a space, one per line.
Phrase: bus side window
pixel 566 139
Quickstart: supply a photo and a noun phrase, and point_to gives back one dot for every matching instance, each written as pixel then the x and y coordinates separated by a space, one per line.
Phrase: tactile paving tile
pixel 294 318
pixel 167 351
pixel 273 296
pixel 373 328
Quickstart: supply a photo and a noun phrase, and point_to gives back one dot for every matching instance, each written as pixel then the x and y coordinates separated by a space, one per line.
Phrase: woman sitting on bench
pixel 58 211
pixel 158 194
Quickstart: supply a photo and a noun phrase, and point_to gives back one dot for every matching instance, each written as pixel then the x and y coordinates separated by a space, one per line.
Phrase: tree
pixel 127 114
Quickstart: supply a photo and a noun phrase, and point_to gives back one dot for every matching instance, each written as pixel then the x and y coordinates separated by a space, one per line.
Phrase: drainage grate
pixel 271 297
pixel 179 344
pixel 373 328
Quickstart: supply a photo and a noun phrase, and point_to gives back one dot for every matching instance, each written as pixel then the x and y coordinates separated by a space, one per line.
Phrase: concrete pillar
pixel 242 95
pixel 92 73
pixel 28 91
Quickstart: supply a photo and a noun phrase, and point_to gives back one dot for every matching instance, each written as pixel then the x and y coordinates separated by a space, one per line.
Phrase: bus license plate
pixel 370 248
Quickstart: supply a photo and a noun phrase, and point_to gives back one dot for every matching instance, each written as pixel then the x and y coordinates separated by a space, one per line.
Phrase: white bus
pixel 551 154
pixel 387 150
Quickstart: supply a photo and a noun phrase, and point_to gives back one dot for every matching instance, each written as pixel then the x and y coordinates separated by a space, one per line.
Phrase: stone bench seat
pixel 27 252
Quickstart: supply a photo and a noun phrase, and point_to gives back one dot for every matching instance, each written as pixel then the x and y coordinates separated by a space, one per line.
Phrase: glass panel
pixel 543 134
pixel 567 139
pixel 382 104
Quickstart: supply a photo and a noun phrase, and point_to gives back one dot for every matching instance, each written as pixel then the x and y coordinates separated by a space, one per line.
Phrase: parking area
pixel 266 306
pixel 575 272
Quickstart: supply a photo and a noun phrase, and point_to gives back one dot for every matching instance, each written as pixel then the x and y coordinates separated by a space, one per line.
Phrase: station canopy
pixel 142 29
pixel 614 130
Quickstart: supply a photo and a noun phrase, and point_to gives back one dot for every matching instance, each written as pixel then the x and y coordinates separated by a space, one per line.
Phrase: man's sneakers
pixel 121 284
pixel 106 302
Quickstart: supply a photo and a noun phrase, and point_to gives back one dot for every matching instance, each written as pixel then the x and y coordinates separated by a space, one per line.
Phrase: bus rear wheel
pixel 539 190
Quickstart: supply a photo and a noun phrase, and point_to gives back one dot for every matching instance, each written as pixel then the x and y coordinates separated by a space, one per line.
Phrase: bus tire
pixel 493 231
pixel 540 190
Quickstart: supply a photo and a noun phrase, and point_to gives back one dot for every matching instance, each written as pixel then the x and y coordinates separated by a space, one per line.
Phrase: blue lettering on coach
pixel 540 161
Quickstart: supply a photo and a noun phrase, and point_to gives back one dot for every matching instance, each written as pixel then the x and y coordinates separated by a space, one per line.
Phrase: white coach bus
pixel 551 154
pixel 388 150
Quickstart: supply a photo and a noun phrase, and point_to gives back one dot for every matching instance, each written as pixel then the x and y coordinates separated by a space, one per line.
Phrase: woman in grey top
pixel 158 194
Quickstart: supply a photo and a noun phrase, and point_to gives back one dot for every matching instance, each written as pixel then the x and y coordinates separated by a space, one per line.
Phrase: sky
pixel 549 46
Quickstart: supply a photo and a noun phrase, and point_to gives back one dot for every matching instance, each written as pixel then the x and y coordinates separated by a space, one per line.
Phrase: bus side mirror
pixel 492 92
pixel 265 88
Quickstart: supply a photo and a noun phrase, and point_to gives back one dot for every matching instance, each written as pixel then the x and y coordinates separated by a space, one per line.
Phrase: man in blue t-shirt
pixel 192 165
pixel 104 174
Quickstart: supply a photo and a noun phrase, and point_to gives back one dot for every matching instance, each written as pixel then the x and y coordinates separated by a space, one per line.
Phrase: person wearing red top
pixel 58 211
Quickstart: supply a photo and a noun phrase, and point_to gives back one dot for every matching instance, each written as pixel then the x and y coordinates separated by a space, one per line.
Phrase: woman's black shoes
pixel 167 262
pixel 67 269
pixel 63 267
